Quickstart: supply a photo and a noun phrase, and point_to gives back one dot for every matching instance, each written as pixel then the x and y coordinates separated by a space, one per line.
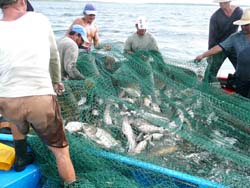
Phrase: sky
pixel 237 2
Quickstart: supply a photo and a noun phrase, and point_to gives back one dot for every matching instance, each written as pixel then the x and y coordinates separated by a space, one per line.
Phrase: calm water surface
pixel 181 30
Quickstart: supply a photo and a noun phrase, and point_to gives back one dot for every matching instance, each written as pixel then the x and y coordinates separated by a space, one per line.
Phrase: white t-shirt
pixel 27 47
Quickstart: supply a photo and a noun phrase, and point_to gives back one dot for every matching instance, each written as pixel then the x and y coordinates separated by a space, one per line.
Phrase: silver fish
pixel 149 128
pixel 128 132
pixel 74 126
pixel 82 101
pixel 148 115
pixel 157 136
pixel 100 136
pixel 106 115
pixel 164 151
pixel 141 146
pixel 147 101
pixel 132 91
pixel 184 119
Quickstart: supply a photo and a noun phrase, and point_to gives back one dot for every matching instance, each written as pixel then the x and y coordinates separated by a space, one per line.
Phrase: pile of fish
pixel 136 129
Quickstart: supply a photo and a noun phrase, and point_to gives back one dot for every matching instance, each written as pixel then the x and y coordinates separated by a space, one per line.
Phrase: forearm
pixel 98 46
pixel 74 73
pixel 55 72
pixel 216 49
pixel 54 66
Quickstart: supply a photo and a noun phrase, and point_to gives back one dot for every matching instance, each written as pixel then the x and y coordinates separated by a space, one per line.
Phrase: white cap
pixel 142 22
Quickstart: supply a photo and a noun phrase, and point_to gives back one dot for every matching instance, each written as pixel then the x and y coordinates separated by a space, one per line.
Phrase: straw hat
pixel 221 1
pixel 245 18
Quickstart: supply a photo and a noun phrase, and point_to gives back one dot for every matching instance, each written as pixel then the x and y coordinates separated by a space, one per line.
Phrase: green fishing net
pixel 137 114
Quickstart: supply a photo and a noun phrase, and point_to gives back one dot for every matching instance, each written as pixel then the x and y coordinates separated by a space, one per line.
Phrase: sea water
pixel 181 30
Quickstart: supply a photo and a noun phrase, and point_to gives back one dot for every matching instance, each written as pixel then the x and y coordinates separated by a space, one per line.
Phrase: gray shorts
pixel 42 113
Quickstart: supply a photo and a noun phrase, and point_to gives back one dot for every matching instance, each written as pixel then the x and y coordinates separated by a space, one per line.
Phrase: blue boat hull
pixel 144 173
pixel 29 178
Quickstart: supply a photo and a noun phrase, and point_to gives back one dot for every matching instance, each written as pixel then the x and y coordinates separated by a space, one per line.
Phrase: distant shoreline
pixel 188 4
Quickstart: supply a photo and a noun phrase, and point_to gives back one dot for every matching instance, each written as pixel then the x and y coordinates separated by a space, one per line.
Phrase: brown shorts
pixel 41 112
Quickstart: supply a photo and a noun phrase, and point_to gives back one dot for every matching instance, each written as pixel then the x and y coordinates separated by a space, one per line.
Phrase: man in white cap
pixel 141 39
pixel 238 42
pixel 221 27
pixel 27 76
pixel 142 44
pixel 68 48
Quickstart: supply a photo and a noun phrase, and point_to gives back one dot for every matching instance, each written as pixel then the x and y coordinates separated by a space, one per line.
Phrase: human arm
pixel 213 32
pixel 54 65
pixel 128 46
pixel 216 49
pixel 96 38
pixel 69 63
pixel 153 44
pixel 97 43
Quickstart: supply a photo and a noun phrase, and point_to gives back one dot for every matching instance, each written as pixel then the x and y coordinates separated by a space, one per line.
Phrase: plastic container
pixel 7 157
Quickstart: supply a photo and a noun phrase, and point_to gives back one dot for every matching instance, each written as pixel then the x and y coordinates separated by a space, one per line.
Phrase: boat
pixel 223 76
pixel 28 178
pixel 144 173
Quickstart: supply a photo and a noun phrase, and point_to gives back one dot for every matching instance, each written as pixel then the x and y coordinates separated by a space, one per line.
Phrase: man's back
pixel 24 68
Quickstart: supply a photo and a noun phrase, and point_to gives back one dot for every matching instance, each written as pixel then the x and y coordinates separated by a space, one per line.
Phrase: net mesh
pixel 135 115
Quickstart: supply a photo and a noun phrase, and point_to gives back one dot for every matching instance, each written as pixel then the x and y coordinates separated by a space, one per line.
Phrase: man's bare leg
pixel 64 164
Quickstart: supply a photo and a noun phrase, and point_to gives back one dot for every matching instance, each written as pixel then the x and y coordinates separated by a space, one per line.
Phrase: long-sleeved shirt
pixel 69 52
pixel 145 42
pixel 29 60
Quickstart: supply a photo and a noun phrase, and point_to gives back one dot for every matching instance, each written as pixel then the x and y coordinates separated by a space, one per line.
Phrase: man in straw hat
pixel 30 78
pixel 220 27
pixel 238 42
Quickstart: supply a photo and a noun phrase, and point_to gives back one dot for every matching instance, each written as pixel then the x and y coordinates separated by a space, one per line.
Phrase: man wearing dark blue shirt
pixel 221 27
pixel 240 43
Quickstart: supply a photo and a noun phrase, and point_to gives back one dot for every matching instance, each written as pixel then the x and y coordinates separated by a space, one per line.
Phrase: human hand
pixel 107 47
pixel 198 58
pixel 59 88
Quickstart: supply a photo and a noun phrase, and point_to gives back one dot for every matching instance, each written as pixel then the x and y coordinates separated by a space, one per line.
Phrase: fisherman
pixel 87 21
pixel 68 48
pixel 238 41
pixel 141 39
pixel 6 127
pixel 29 81
pixel 221 27
pixel 242 73
pixel 140 45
